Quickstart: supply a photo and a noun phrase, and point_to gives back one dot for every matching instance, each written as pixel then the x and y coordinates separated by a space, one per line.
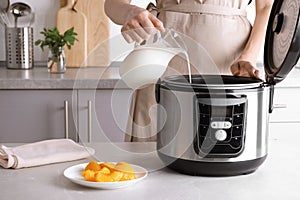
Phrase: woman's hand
pixel 244 68
pixel 140 24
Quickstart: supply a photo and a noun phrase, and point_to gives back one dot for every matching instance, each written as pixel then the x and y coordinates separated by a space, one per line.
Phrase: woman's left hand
pixel 244 68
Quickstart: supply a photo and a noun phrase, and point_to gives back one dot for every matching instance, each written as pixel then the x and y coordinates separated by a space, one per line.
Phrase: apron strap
pixel 205 9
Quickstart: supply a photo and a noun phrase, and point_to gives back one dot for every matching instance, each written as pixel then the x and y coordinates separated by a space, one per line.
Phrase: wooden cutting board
pixel 98 45
pixel 67 18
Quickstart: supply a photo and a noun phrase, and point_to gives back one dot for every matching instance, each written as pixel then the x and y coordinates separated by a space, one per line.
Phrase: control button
pixel 237 131
pixel 220 125
pixel 239 108
pixel 238 119
pixel 220 135
pixel 236 142
pixel 227 125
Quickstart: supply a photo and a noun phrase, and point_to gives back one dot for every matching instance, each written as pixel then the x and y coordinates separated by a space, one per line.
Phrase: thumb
pixel 257 75
pixel 235 69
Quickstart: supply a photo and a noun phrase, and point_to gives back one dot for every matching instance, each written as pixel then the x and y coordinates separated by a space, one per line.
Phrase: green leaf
pixel 53 39
pixel 38 42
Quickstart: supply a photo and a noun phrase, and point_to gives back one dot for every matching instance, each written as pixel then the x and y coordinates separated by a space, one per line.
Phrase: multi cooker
pixel 217 125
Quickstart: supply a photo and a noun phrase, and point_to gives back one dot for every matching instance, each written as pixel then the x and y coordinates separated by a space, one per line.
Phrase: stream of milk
pixel 185 53
pixel 189 66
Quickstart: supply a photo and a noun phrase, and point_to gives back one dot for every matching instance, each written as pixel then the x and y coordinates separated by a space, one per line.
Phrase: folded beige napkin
pixel 41 153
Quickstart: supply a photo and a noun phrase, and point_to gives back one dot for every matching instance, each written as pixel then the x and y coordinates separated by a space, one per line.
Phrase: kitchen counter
pixel 277 179
pixel 74 78
pixel 84 78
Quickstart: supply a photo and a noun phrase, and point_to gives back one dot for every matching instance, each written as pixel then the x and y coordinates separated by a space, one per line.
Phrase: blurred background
pixel 45 16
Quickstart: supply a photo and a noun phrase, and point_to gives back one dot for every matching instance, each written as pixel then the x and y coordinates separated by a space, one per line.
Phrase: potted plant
pixel 56 43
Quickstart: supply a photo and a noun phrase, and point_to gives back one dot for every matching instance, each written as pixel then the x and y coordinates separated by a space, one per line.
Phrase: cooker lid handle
pixel 282 42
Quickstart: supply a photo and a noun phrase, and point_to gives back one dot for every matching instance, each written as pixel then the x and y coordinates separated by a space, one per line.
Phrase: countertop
pixel 84 78
pixel 73 78
pixel 278 178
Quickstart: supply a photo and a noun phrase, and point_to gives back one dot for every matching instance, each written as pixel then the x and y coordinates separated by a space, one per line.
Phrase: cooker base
pixel 198 168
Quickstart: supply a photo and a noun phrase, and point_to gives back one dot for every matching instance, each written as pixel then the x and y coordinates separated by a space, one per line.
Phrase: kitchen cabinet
pixel 34 103
pixel 286 105
pixel 33 115
pixel 102 114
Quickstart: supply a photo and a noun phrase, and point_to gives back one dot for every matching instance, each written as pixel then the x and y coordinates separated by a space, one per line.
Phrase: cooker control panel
pixel 219 125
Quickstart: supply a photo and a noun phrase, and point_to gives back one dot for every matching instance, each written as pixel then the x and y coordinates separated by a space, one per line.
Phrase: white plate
pixel 74 174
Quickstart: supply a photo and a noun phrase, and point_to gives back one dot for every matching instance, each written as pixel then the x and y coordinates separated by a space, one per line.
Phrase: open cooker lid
pixel 282 44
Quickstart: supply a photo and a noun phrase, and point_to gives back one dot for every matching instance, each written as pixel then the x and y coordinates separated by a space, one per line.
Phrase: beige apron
pixel 215 33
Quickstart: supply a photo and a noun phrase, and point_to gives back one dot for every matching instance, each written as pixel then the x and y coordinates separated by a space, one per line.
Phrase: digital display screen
pixel 221 111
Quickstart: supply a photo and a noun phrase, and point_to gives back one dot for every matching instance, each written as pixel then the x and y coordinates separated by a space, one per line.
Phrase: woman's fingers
pixel 131 36
pixel 146 22
pixel 244 68
pixel 135 31
pixel 157 24
pixel 141 26
pixel 235 69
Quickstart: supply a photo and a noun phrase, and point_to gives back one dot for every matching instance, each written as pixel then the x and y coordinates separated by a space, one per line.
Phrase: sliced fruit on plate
pixel 126 169
pixel 93 165
pixel 108 172
pixel 109 165
pixel 89 175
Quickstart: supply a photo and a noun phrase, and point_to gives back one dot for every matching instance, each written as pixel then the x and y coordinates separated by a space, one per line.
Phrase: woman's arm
pixel 138 23
pixel 117 10
pixel 244 66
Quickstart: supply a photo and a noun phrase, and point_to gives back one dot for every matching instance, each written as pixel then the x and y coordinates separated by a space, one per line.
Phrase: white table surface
pixel 278 178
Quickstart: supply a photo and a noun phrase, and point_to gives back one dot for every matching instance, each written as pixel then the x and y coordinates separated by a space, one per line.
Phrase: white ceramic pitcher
pixel 147 62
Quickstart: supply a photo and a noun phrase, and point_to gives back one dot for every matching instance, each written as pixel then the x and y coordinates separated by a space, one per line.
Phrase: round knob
pixel 220 135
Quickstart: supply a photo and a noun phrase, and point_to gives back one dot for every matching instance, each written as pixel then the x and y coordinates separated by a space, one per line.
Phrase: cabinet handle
pixel 89 120
pixel 66 119
pixel 280 106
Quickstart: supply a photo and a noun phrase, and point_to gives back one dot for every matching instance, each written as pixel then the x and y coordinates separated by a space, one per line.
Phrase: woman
pixel 221 27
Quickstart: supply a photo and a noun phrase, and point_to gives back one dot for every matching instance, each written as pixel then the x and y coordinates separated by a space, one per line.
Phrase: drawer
pixel 286 105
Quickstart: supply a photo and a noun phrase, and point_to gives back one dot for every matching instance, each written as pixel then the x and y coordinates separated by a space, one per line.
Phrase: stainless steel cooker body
pixel 218 125
pixel 214 128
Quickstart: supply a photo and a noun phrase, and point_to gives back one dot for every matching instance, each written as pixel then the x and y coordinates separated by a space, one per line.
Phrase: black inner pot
pixel 212 79
pixel 179 82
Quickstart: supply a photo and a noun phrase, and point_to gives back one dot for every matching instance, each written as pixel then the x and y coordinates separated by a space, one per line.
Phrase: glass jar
pixel 57 61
